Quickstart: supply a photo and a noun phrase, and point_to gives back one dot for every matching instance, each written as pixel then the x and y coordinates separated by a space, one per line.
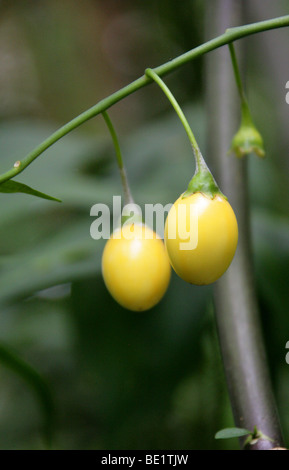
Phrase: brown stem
pixel 236 304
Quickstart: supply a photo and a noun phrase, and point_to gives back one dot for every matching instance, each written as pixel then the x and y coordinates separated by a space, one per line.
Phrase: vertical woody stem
pixel 237 312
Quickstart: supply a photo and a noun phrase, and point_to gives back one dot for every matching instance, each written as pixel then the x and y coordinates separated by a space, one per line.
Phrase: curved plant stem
pixel 203 179
pixel 128 199
pixel 150 73
pixel 114 139
pixel 230 35
pixel 200 162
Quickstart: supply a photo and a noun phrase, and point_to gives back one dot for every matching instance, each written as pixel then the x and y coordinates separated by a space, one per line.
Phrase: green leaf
pixel 15 187
pixel 229 433
pixel 67 254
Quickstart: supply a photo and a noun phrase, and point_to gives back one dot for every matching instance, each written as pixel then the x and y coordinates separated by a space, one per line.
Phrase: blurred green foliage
pixel 118 380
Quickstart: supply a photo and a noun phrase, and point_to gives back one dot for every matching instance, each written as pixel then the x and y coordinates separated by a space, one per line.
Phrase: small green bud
pixel 247 140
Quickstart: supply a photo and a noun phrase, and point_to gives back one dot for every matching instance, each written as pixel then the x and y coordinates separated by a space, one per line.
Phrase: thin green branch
pixel 154 76
pixel 126 189
pixel 114 139
pixel 237 72
pixel 230 35
pixel 200 163
pixel 246 115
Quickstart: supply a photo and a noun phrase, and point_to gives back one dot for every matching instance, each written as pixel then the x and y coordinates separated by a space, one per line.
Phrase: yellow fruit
pixel 136 267
pixel 201 236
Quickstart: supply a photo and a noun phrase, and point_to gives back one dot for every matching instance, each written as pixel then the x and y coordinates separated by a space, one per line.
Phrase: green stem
pixel 230 35
pixel 128 199
pixel 151 74
pixel 246 115
pixel 114 139
pixel 200 163
pixel 203 179
pixel 237 72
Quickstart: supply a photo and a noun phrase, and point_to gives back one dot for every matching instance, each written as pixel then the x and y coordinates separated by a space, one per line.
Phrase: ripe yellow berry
pixel 136 267
pixel 201 235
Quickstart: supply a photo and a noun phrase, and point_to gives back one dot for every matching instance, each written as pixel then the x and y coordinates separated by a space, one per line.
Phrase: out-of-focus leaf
pixel 16 187
pixel 65 256
pixel 38 384
pixel 126 359
pixel 271 249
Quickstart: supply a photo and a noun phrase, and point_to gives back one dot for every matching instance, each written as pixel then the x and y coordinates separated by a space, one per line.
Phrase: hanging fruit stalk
pixel 201 231
pixel 135 265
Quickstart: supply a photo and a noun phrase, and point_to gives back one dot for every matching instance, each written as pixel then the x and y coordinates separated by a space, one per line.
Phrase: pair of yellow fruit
pixel 136 264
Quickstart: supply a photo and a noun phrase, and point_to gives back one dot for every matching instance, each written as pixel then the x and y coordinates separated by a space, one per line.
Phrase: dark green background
pixel 117 379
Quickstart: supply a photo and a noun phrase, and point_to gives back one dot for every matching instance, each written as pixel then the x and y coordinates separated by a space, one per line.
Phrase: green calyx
pixel 248 139
pixel 203 182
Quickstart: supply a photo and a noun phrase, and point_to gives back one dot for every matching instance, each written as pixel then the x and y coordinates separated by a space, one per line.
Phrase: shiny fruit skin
pixel 136 267
pixel 216 242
